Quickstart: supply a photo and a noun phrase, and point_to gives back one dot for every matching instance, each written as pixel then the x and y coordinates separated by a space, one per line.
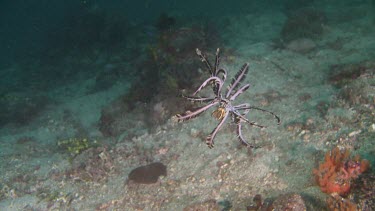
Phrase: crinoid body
pixel 225 109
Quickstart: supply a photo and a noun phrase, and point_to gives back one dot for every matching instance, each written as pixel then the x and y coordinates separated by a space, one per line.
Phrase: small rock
pixel 148 174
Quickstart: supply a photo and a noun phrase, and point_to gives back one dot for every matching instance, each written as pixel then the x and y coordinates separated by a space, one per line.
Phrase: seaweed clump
pixel 75 146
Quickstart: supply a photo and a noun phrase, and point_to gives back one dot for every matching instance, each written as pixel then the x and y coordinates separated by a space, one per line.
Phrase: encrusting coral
pixel 338 170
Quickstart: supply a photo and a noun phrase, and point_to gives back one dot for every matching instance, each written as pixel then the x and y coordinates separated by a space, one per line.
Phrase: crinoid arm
pixel 198 99
pixel 239 92
pixel 246 106
pixel 213 79
pixel 210 138
pixel 218 70
pixel 214 71
pixel 196 112
pixel 241 138
pixel 205 61
pixel 238 78
pixel 217 60
pixel 241 118
pixel 238 120
pixel 222 72
pixel 270 112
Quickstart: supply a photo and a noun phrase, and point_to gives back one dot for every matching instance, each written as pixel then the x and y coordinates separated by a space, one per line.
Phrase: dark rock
pixel 148 174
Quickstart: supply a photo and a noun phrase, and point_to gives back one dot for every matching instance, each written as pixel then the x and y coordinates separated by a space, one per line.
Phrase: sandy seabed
pixel 298 82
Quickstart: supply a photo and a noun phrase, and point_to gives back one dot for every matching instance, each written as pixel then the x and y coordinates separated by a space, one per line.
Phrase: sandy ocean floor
pixel 300 82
